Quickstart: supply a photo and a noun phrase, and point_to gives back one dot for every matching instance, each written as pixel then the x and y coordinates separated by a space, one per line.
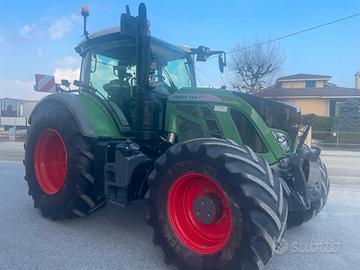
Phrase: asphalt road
pixel 118 238
pixel 11 151
pixel 343 166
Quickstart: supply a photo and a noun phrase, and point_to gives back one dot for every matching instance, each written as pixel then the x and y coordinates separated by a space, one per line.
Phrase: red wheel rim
pixel 200 237
pixel 50 161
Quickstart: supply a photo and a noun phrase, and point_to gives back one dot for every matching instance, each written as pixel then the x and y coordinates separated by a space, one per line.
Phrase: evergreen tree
pixel 349 117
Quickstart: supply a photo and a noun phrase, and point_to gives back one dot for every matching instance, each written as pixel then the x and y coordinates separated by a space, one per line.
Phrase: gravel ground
pixel 117 238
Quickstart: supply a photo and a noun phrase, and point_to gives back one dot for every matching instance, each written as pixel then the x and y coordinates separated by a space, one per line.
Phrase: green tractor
pixel 223 173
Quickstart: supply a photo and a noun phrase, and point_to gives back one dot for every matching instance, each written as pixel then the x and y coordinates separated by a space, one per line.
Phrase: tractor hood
pixel 276 114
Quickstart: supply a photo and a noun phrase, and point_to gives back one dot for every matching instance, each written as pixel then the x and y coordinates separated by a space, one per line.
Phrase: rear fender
pixel 94 117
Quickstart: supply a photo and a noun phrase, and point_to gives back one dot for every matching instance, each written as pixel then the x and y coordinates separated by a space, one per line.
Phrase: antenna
pixel 85 13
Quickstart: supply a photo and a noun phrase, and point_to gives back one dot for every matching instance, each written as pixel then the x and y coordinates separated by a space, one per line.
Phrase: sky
pixel 40 36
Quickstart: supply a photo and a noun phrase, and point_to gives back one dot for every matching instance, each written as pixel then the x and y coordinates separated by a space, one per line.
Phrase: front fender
pixel 94 117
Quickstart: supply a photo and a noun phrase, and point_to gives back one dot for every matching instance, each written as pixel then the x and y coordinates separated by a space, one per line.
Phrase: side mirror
pixel 222 63
pixel 65 83
pixel 202 53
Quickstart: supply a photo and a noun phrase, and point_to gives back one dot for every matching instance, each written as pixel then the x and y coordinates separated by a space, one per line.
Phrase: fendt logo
pixel 194 97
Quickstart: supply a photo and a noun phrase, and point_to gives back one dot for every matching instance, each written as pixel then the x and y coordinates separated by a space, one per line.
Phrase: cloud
pixel 70 74
pixel 76 18
pixel 67 68
pixel 69 61
pixel 62 26
pixel 19 89
pixel 27 30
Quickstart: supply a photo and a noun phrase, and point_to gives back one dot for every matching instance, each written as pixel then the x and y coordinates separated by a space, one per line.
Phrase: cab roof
pixel 114 33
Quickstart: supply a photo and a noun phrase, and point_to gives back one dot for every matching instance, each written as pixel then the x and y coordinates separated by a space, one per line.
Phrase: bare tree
pixel 255 65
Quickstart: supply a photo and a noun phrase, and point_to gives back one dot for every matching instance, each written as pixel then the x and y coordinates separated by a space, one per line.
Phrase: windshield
pixel 107 70
pixel 113 69
pixel 178 72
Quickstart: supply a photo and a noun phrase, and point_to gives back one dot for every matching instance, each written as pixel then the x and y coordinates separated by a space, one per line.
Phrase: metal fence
pixel 337 140
pixel 14 121
pixel 13 128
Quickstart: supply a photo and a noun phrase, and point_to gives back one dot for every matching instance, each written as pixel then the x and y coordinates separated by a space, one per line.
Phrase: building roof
pixel 325 92
pixel 304 77
pixel 18 100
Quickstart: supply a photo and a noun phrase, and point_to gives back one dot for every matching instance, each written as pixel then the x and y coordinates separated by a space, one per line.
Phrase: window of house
pixel 309 84
pixel 8 108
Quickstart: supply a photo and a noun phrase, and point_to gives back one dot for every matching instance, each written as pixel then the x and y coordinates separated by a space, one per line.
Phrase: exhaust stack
pixel 147 107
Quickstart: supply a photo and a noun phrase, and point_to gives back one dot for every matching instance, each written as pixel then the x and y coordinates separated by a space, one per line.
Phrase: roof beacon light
pixel 85 13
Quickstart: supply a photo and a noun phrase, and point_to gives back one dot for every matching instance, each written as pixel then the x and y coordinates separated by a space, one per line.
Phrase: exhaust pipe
pixel 147 107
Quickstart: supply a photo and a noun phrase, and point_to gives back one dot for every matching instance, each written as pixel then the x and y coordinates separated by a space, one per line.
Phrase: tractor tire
pixel 216 205
pixel 297 218
pixel 59 165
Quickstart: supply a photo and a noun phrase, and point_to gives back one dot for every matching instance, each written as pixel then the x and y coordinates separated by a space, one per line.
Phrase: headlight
pixel 282 140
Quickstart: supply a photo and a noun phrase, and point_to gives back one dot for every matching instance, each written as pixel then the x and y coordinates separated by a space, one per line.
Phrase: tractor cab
pixel 109 66
pixel 110 55
pixel 137 72
pixel 128 67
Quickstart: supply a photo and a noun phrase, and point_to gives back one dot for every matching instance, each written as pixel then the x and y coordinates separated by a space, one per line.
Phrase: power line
pixel 198 77
pixel 287 36
pixel 295 33
pixel 207 78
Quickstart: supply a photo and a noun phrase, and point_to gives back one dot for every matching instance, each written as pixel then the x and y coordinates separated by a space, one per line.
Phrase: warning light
pixel 85 11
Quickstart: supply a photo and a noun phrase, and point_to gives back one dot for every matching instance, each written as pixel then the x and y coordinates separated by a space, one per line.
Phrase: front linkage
pixel 306 181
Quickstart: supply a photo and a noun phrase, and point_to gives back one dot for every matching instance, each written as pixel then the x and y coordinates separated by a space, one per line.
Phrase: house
pixel 313 93
pixel 11 107
pixel 15 112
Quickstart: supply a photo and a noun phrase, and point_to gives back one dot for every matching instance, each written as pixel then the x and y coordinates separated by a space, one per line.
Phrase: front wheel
pixel 216 205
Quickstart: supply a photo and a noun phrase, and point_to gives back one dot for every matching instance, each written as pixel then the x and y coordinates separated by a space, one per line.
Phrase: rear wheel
pixel 58 164
pixel 216 205
pixel 50 161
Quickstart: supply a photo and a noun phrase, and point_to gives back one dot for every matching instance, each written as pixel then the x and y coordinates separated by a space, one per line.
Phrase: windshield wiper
pixel 172 84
